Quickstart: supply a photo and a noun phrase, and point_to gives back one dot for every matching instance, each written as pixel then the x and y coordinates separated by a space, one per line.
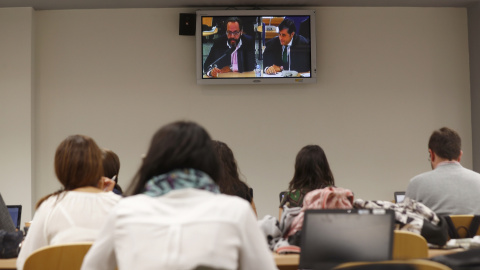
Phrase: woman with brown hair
pixel 76 212
pixel 312 171
pixel 229 181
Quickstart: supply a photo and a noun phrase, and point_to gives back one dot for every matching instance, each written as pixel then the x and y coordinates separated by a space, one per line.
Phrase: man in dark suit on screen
pixel 233 51
pixel 288 51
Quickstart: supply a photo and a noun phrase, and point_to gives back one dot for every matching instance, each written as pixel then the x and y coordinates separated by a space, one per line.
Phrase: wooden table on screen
pixel 291 261
pixel 233 75
pixel 10 264
pixel 236 74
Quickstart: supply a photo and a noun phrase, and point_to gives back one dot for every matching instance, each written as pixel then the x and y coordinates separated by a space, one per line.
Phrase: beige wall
pixel 16 100
pixel 474 49
pixel 386 78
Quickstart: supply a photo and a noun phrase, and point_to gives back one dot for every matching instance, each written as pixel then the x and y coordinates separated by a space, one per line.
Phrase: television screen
pixel 255 46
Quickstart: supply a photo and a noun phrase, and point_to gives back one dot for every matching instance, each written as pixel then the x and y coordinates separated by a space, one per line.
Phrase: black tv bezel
pixel 255 80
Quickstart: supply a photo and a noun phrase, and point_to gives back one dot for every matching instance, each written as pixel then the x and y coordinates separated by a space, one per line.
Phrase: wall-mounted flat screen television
pixel 255 46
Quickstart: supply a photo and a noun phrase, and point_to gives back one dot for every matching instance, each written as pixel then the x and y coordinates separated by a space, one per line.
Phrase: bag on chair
pixel 413 216
pixel 9 243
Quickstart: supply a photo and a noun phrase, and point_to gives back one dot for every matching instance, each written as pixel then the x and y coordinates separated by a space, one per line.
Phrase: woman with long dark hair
pixel 312 171
pixel 76 212
pixel 229 181
pixel 174 216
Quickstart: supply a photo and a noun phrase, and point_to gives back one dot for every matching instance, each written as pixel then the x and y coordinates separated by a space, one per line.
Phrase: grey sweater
pixel 449 189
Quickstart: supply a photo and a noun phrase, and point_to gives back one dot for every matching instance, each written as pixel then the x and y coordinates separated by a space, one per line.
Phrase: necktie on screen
pixel 285 56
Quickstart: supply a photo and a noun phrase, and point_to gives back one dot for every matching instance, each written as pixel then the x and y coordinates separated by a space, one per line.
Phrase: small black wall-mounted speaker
pixel 187 24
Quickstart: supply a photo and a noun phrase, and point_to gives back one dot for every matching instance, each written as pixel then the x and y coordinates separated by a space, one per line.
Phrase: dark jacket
pixel 299 54
pixel 245 54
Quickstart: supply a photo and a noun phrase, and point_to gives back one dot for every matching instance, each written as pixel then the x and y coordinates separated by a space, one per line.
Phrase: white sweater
pixel 181 230
pixel 73 217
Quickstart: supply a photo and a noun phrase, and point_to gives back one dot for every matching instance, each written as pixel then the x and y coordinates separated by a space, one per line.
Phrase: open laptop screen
pixel 16 214
pixel 399 196
pixel 331 237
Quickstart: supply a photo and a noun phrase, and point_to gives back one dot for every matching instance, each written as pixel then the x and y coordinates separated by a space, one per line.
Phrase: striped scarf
pixel 179 179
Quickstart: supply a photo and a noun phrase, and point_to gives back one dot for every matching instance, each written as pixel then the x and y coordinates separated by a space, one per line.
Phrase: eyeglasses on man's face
pixel 235 34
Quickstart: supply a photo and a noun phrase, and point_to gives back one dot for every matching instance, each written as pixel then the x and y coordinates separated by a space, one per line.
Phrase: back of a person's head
pixel 178 145
pixel 111 166
pixel 78 162
pixel 111 163
pixel 229 180
pixel 312 170
pixel 446 143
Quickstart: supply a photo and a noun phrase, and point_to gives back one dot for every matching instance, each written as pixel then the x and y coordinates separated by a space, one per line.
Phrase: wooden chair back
pixel 58 257
pixel 461 224
pixel 408 245
pixel 416 264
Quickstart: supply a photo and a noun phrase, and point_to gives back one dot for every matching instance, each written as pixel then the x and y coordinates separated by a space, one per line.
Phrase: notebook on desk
pixel 16 214
pixel 331 237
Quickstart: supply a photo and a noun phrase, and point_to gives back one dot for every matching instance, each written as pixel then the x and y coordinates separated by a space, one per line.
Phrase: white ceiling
pixel 101 4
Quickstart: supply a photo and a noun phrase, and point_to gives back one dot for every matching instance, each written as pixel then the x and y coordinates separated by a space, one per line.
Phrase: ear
pixel 432 155
pixel 101 183
pixel 460 156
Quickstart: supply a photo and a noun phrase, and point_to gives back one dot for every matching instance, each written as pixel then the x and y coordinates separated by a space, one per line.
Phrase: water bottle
pixel 258 71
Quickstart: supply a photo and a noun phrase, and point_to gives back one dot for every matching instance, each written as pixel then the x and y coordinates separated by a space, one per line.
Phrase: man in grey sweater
pixel 449 189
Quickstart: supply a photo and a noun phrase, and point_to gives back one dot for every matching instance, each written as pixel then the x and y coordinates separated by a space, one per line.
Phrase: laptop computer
pixel 16 214
pixel 330 237
pixel 399 196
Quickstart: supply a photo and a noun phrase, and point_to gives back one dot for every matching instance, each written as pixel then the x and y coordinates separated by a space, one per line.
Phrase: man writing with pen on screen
pixel 288 51
pixel 233 51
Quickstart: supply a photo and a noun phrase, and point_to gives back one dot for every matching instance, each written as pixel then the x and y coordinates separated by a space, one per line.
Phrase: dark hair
pixel 289 25
pixel 233 20
pixel 311 170
pixel 111 166
pixel 229 180
pixel 78 163
pixel 178 145
pixel 446 143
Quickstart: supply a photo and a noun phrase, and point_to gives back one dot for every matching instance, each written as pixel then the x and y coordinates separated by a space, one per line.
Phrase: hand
pixel 273 69
pixel 214 72
pixel 107 184
pixel 226 69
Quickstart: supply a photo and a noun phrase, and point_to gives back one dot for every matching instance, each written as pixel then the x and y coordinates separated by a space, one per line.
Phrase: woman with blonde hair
pixel 76 212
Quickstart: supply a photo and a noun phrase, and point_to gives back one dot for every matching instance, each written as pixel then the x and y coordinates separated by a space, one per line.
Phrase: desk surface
pixel 290 261
pixel 8 264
